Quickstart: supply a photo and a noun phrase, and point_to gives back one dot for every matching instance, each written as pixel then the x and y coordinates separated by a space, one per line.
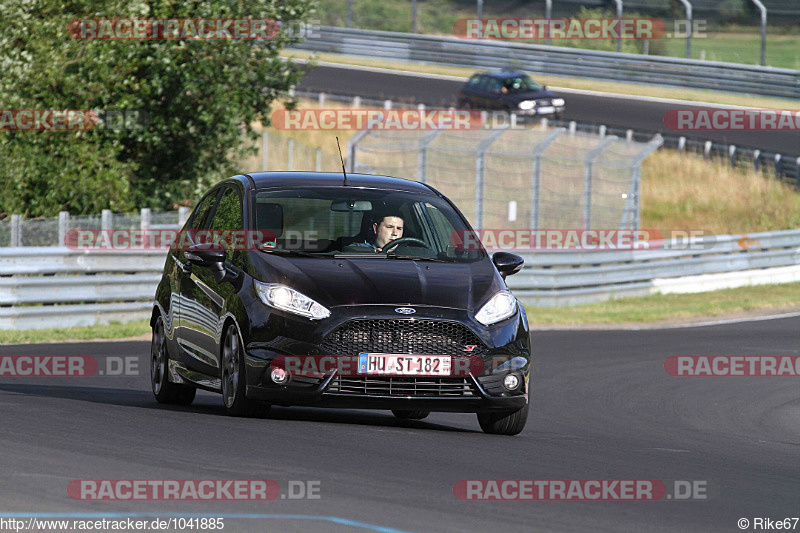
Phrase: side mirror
pixel 213 257
pixel 206 256
pixel 508 264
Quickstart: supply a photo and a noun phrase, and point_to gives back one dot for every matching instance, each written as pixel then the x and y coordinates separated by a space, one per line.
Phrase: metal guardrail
pixel 557 61
pixel 59 287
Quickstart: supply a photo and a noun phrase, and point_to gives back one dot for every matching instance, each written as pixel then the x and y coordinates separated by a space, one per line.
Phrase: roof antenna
pixel 342 159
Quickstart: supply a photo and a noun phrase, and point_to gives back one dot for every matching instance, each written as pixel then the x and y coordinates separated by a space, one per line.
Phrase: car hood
pixel 531 95
pixel 335 282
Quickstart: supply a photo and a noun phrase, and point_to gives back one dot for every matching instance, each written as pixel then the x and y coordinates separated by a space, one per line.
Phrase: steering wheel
pixel 404 240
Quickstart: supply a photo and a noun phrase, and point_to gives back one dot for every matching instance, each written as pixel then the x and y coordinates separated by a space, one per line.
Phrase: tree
pixel 199 96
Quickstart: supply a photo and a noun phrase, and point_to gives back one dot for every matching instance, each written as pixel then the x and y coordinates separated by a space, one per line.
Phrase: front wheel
pixel 504 422
pixel 164 390
pixel 234 384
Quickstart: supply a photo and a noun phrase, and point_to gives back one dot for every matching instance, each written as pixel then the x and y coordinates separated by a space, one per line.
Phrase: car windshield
pixel 362 223
pixel 521 84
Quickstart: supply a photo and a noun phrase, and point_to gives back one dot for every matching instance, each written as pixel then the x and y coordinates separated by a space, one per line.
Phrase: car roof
pixel 289 180
pixel 501 74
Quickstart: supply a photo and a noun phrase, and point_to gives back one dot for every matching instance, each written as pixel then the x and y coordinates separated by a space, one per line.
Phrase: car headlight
pixel 501 306
pixel 288 299
pixel 526 105
pixel 558 102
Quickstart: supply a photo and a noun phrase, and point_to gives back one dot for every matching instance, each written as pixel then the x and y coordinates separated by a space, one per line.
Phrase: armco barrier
pixel 556 61
pixel 59 287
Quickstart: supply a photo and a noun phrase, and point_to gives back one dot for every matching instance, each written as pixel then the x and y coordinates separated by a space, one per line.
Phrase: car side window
pixel 228 219
pixel 202 211
pixel 474 81
pixel 492 85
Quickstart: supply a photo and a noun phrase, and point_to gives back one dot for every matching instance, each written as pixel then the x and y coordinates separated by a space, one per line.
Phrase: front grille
pixel 542 103
pixel 409 336
pixel 417 387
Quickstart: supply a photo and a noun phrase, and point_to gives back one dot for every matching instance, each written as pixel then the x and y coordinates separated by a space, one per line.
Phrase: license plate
pixel 404 365
pixel 545 110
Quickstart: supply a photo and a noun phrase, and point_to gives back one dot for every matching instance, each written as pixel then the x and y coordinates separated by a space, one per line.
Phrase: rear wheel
pixel 410 415
pixel 164 390
pixel 504 422
pixel 234 384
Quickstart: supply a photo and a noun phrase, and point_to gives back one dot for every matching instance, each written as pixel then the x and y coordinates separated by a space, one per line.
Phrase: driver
pixel 387 227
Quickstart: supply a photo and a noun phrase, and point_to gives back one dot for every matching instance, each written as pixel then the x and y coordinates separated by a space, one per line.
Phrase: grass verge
pixel 115 330
pixel 694 95
pixel 672 308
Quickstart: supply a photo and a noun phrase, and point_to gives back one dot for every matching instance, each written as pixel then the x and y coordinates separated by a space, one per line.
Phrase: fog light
pixel 511 382
pixel 279 376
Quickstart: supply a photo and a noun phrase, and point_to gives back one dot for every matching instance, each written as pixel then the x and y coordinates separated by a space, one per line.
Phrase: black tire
pixel 410 415
pixel 504 422
pixel 233 381
pixel 164 390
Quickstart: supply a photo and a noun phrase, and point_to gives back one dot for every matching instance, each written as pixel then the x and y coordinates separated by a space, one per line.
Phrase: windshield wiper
pixel 298 253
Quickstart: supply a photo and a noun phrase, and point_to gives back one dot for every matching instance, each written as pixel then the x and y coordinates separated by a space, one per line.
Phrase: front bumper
pixel 503 348
pixel 329 392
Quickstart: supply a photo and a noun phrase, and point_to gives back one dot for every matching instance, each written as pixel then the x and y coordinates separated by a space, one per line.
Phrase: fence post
pixel 63 227
pixel 732 155
pixel 387 104
pixel 536 174
pixel 264 147
pixel 593 154
pixel 321 99
pixel 106 220
pixel 422 154
pixel 357 102
pixel 290 154
pixel 318 165
pixel 183 215
pixel 352 144
pixel 480 172
pixel 16 230
pixel 146 215
pixel 778 161
pixel 631 213
pixel 756 158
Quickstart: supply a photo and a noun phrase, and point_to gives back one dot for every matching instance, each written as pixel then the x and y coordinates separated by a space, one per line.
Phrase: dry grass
pixel 687 192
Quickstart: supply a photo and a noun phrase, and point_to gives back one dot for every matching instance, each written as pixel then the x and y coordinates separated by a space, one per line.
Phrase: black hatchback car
pixel 288 288
pixel 509 91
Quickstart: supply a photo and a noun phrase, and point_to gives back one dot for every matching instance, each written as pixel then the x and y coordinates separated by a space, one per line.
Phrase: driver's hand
pixel 378 250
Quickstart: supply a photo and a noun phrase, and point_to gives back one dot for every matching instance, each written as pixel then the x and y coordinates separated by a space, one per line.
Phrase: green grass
pixel 115 330
pixel 672 307
pixel 783 51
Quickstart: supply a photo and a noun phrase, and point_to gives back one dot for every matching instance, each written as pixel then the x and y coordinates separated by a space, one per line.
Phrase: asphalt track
pixel 623 112
pixel 602 408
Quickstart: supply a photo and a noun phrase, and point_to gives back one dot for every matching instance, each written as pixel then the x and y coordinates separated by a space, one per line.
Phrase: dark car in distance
pixel 427 323
pixel 509 91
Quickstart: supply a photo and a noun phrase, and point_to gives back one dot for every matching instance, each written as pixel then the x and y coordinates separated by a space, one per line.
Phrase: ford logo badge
pixel 405 310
